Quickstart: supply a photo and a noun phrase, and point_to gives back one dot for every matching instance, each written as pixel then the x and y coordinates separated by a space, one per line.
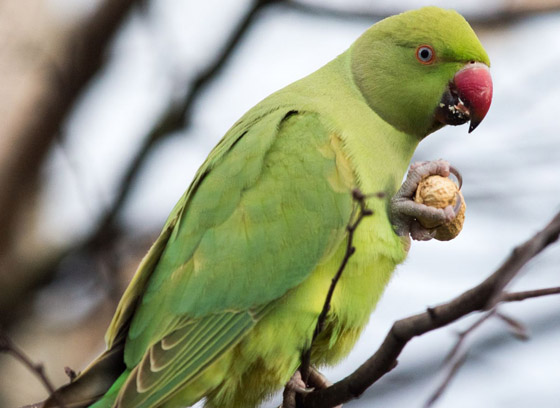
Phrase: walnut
pixel 439 192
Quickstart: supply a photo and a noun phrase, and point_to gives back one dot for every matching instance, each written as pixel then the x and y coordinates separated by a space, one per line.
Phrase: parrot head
pixel 423 69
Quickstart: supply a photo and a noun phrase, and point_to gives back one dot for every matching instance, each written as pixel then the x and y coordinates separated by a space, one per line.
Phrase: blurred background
pixel 108 108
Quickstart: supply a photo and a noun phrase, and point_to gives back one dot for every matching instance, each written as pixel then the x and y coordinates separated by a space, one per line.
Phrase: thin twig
pixel 70 373
pixel 454 369
pixel 477 298
pixel 7 346
pixel 455 358
pixel 462 336
pixel 358 214
pixel 528 294
pixel 517 328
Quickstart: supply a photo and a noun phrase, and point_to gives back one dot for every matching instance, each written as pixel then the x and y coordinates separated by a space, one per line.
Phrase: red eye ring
pixel 425 54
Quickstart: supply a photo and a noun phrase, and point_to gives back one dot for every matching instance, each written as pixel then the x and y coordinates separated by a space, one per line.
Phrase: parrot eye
pixel 425 54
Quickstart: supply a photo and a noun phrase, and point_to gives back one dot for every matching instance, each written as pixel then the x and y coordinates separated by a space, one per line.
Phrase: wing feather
pixel 151 381
pixel 263 211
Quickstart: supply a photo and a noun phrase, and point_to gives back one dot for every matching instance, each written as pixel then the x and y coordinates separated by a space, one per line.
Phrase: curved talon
pixel 458 204
pixel 302 390
pixel 297 385
pixel 457 174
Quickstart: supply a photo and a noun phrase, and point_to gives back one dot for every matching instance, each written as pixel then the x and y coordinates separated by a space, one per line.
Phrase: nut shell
pixel 439 192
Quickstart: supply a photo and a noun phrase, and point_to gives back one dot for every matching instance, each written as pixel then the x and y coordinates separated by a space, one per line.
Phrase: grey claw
pixel 456 173
pixel 458 204
pixel 433 233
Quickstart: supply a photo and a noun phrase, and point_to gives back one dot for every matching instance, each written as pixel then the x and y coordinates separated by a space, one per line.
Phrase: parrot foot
pixel 318 380
pixel 296 385
pixel 405 211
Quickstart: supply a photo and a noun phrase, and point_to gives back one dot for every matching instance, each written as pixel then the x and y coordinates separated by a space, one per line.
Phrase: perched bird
pixel 228 297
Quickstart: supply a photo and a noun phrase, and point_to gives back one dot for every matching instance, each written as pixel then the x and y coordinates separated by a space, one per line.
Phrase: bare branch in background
pixel 484 296
pixel 455 366
pixel 83 57
pixel 509 11
pixel 176 117
pixel 517 328
pixel 8 347
pixel 78 62
pixel 31 134
pixel 462 336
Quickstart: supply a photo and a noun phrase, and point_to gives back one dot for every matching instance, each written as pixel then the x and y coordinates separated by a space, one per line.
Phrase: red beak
pixel 473 83
pixel 467 97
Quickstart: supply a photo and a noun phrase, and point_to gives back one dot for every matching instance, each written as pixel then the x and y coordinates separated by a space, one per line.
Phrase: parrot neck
pixel 379 153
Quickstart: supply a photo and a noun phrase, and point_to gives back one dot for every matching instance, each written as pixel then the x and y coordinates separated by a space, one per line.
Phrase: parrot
pixel 227 298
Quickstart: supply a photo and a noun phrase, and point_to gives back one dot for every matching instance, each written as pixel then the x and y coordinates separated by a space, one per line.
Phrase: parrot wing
pixel 268 205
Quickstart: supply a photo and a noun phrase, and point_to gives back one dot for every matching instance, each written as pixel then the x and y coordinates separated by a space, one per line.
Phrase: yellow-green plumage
pixel 228 297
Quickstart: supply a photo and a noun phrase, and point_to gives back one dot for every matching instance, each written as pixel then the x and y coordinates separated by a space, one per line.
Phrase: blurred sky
pixel 510 166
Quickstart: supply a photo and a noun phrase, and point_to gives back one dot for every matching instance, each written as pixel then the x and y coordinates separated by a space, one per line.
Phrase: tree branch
pixel 455 358
pixel 481 297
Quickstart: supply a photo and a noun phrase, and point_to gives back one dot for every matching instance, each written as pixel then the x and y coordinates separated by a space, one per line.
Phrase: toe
pixel 419 233
pixel 297 384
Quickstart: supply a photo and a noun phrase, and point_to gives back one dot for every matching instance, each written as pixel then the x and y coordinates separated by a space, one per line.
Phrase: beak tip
pixel 475 121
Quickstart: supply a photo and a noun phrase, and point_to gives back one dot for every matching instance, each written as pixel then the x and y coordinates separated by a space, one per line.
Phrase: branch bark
pixel 481 297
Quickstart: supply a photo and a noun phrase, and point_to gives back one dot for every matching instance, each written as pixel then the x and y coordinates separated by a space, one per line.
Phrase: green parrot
pixel 227 298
